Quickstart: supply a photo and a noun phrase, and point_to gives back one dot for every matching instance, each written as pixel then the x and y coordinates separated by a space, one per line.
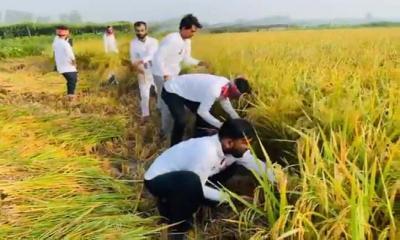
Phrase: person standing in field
pixel 111 48
pixel 199 92
pixel 174 50
pixel 65 60
pixel 69 40
pixel 180 177
pixel 142 50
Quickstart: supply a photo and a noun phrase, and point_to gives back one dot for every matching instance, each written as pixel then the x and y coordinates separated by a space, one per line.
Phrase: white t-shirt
pixel 110 43
pixel 172 52
pixel 205 157
pixel 64 56
pixel 144 51
pixel 205 89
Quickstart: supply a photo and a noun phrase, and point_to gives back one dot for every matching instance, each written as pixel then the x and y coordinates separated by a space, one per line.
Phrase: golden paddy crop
pixel 325 103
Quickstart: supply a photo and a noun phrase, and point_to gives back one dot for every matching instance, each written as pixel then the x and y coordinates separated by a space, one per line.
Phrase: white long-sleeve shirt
pixel 205 157
pixel 172 52
pixel 204 89
pixel 64 56
pixel 144 51
pixel 110 43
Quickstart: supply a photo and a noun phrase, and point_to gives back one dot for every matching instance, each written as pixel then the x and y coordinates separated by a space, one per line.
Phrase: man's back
pixel 197 87
pixel 198 155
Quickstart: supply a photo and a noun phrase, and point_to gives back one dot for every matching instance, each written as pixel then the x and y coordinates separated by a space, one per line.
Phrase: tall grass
pixel 333 94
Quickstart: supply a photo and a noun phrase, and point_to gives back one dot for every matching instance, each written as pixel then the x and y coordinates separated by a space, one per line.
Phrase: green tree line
pixel 37 29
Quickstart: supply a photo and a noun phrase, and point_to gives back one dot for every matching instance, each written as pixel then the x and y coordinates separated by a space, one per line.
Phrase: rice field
pixel 325 104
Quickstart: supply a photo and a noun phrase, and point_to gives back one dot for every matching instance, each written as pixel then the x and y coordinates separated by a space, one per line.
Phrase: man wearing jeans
pixel 65 60
pixel 174 49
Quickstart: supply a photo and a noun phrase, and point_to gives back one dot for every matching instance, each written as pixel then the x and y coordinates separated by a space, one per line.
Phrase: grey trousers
pixel 166 119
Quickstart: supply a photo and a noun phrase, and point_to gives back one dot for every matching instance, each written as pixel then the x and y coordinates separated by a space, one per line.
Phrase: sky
pixel 210 11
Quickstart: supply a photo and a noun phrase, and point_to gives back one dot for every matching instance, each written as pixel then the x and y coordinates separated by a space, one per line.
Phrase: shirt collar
pixel 217 142
pixel 180 37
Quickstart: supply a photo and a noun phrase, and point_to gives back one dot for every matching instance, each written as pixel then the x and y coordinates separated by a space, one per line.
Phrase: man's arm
pixel 150 53
pixel 165 49
pixel 133 54
pixel 252 163
pixel 115 45
pixel 204 112
pixel 70 53
pixel 209 192
pixel 135 62
pixel 105 42
pixel 187 58
pixel 228 108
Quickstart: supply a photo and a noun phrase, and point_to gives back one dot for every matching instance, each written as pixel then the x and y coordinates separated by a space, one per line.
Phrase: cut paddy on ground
pixel 325 103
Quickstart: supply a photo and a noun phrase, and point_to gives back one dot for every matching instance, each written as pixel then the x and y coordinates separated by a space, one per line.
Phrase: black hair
pixel 188 21
pixel 139 23
pixel 62 27
pixel 243 85
pixel 237 129
pixel 108 26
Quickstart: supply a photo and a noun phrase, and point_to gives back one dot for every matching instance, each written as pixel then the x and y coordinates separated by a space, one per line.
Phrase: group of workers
pixel 180 177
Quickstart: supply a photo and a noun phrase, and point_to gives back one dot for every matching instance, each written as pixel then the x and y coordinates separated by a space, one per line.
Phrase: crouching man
pixel 199 92
pixel 178 177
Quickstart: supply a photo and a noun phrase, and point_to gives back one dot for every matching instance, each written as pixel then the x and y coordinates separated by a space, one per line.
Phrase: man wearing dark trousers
pixel 199 92
pixel 174 49
pixel 65 60
pixel 178 177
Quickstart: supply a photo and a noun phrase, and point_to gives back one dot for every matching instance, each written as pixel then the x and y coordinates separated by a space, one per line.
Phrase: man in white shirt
pixel 142 50
pixel 179 176
pixel 65 60
pixel 199 92
pixel 111 49
pixel 69 40
pixel 174 50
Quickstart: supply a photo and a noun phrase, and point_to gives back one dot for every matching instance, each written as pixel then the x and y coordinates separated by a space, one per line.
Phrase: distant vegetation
pixel 381 24
pixel 37 29
pixel 21 47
